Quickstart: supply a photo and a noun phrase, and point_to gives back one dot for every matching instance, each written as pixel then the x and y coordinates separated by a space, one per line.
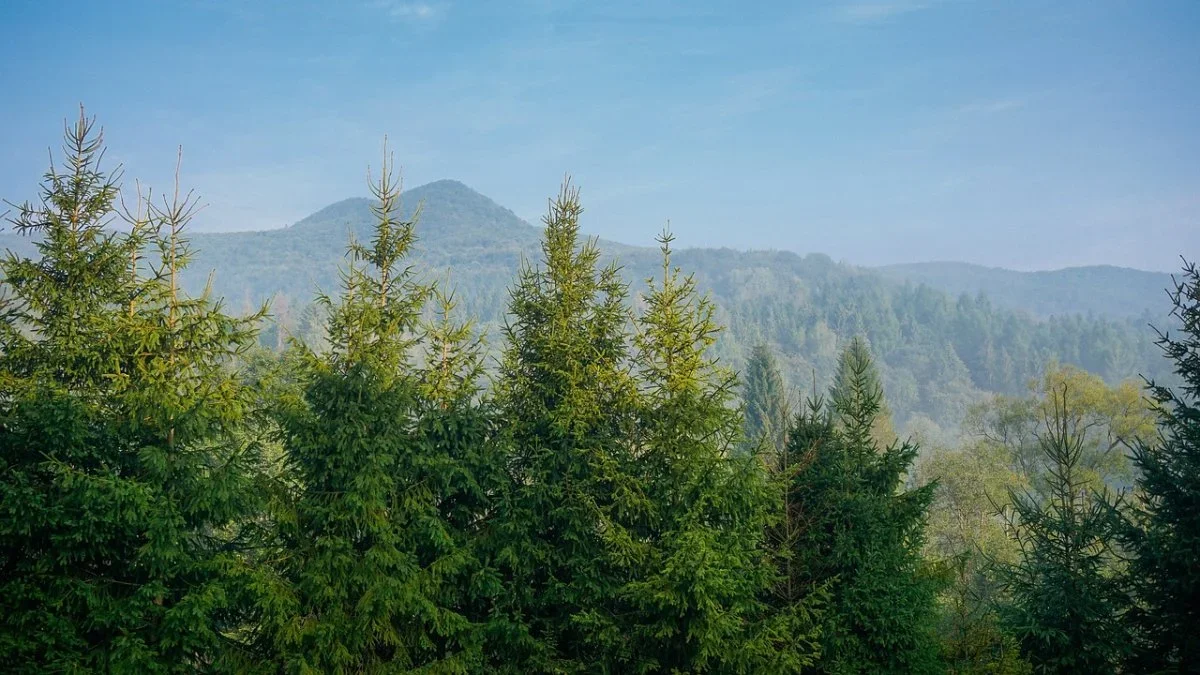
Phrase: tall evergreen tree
pixel 122 477
pixel 457 432
pixel 811 428
pixel 371 565
pixel 699 573
pixel 856 533
pixel 1163 530
pixel 1065 608
pixel 858 377
pixel 765 400
pixel 567 400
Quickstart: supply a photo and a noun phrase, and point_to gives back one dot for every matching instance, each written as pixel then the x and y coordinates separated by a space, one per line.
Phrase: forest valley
pixel 377 493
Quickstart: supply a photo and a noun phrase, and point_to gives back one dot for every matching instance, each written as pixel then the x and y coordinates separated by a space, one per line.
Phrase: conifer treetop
pixel 374 322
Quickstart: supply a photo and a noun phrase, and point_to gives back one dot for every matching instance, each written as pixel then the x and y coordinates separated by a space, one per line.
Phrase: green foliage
pixel 1064 606
pixel 973 482
pixel 1110 419
pixel 974 642
pixel 698 573
pixel 1005 455
pixel 568 401
pixel 966 534
pixel 790 537
pixel 374 557
pixel 765 401
pixel 861 534
pixel 180 493
pixel 1163 526
pixel 936 354
pixel 1095 289
pixel 857 386
pixel 937 351
pixel 124 485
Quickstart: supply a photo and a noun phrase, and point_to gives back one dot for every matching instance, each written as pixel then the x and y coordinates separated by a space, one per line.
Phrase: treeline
pixel 175 499
pixel 937 353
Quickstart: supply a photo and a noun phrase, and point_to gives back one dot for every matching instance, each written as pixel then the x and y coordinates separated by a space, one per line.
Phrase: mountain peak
pixel 449 185
pixel 450 210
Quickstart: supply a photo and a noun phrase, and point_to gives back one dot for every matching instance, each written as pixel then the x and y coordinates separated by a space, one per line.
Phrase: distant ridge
pixel 455 206
pixel 458 223
pixel 1106 290
pixel 937 351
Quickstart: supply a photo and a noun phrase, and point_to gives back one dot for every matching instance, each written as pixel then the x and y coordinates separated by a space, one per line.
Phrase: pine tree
pixel 858 376
pixel 1065 608
pixel 811 428
pixel 856 534
pixel 371 566
pixel 699 573
pixel 123 477
pixel 566 397
pixel 453 363
pixel 1163 529
pixel 765 401
pixel 458 436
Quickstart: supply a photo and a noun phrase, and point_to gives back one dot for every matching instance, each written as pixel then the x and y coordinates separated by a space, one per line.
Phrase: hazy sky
pixel 1025 134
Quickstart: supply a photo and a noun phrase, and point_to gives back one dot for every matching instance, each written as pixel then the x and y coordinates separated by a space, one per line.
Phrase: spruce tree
pixel 371 566
pixel 566 397
pixel 1163 528
pixel 123 478
pixel 1064 606
pixel 765 401
pixel 699 573
pixel 810 429
pixel 858 534
pixel 858 376
pixel 457 432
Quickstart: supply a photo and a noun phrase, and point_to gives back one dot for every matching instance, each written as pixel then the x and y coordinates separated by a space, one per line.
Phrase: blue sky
pixel 1023 134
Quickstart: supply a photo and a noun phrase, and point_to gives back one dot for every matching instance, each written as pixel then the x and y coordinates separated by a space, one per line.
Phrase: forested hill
pixel 938 352
pixel 1099 289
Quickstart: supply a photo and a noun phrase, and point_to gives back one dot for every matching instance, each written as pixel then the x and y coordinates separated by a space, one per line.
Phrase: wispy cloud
pixel 871 12
pixel 728 99
pixel 750 92
pixel 990 106
pixel 403 10
pixel 951 183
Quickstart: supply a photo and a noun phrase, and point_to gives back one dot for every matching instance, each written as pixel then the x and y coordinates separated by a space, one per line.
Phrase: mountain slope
pixel 457 224
pixel 937 352
pixel 1101 289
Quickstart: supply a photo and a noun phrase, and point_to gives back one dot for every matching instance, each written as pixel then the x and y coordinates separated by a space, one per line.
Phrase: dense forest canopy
pixel 939 350
pixel 188 487
pixel 1103 290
